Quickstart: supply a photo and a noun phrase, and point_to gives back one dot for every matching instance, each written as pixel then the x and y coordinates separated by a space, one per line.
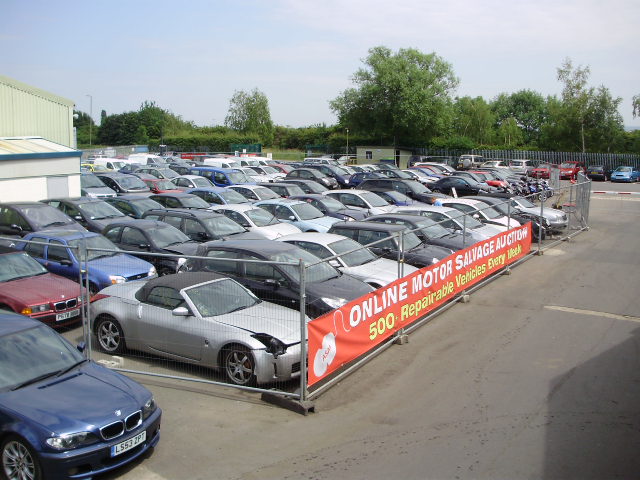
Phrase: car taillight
pixel 98 296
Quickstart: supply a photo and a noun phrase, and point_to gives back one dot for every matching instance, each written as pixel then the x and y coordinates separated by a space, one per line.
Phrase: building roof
pixel 17 148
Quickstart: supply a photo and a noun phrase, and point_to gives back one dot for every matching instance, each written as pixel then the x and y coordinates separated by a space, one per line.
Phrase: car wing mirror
pixel 66 262
pixel 292 218
pixel 144 246
pixel 16 227
pixel 335 263
pixel 81 347
pixel 272 282
pixel 181 312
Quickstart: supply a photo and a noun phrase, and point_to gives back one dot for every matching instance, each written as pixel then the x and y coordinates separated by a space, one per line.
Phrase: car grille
pixel 72 303
pixel 295 367
pixel 116 429
pixel 137 277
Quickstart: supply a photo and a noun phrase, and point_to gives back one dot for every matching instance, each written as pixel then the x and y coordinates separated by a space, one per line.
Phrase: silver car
pixel 256 219
pixel 353 258
pixel 201 318
pixel 557 219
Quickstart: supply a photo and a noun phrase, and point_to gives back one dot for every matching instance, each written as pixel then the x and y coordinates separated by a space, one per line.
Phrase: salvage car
pixel 20 218
pixel 349 256
pixel 258 220
pixel 63 416
pixel 331 207
pixel 92 213
pixel 104 265
pixel 26 287
pixel 201 318
pixel 368 201
pixel 299 213
pixel 326 288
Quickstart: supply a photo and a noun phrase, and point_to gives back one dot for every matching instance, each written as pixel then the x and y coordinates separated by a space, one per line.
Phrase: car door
pixel 268 282
pixel 181 336
pixel 60 261
pixel 13 223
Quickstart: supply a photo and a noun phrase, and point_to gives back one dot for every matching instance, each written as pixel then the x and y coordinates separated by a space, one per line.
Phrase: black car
pixel 143 238
pixel 123 183
pixel 157 172
pixel 415 252
pixel 326 288
pixel 179 200
pixel 599 172
pixel 314 175
pixel 331 207
pixel 307 186
pixel 201 225
pixel 411 188
pixel 21 218
pixel 462 186
pixel 133 205
pixel 333 171
pixel 430 232
pixel 283 189
pixel 92 213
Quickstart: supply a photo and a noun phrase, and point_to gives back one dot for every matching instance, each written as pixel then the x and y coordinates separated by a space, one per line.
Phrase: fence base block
pixel 466 298
pixel 297 406
pixel 506 271
pixel 401 339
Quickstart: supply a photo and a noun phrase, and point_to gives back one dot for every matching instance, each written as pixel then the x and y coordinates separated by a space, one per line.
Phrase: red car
pixel 541 171
pixel 161 185
pixel 490 179
pixel 569 170
pixel 282 167
pixel 27 287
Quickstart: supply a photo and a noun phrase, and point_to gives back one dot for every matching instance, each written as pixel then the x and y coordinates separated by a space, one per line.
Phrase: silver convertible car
pixel 201 318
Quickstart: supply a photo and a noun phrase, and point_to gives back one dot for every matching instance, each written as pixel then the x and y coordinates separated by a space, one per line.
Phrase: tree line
pixel 404 98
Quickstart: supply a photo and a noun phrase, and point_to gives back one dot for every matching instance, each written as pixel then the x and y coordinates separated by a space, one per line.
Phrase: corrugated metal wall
pixel 27 111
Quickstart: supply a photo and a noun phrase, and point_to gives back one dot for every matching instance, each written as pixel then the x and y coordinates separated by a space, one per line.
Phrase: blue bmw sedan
pixel 61 415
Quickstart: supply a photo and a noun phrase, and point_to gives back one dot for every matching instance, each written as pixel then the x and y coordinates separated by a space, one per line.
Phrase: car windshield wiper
pixel 35 380
pixel 71 367
pixel 54 224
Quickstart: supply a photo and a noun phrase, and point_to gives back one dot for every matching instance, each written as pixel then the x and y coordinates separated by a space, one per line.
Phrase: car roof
pixel 142 223
pixel 177 281
pixel 236 207
pixel 258 246
pixel 355 191
pixel 207 189
pixel 462 201
pixel 315 237
pixel 314 196
pixel 62 233
pixel 172 195
pixel 280 201
pixel 402 216
pixel 183 212
pixel 357 225
pixel 74 200
pixel 129 198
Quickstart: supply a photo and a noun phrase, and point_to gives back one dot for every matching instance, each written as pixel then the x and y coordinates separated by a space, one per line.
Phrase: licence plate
pixel 128 444
pixel 65 315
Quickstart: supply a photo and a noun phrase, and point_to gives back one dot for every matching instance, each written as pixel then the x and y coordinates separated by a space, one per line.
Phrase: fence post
pixel 83 255
pixel 542 199
pixel 303 333
pixel 400 254
pixel 464 230
pixel 509 214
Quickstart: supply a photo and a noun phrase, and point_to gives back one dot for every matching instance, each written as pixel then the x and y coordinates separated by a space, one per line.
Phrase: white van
pixel 110 163
pixel 219 162
pixel 146 159
pixel 520 167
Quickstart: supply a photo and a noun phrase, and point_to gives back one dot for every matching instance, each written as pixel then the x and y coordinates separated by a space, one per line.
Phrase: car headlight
pixel 334 302
pixel 274 346
pixel 35 309
pixel 149 408
pixel 181 262
pixel 72 440
pixel 116 279
pixel 152 272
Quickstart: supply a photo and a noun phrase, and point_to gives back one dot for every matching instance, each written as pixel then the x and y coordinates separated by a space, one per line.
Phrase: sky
pixel 190 57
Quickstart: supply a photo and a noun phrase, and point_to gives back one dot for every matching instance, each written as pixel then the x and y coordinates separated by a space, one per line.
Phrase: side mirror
pixel 144 246
pixel 16 227
pixel 272 282
pixel 292 218
pixel 335 263
pixel 202 236
pixel 476 216
pixel 181 312
pixel 65 262
pixel 81 347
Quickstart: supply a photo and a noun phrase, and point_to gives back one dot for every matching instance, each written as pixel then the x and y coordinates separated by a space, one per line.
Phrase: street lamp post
pixel 90 116
pixel 347 152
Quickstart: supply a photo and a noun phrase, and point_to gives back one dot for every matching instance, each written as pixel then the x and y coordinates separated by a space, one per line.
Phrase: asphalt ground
pixel 536 377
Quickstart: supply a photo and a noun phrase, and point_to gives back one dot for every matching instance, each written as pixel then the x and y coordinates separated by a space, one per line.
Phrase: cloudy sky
pixel 190 56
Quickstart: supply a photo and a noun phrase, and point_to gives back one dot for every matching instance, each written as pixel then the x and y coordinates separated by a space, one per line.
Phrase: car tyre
pixel 110 335
pixel 239 365
pixel 19 460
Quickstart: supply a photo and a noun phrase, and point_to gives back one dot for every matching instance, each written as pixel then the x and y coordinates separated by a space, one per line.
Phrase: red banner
pixel 345 334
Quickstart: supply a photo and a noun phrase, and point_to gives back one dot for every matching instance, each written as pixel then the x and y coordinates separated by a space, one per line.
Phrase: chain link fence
pixel 240 320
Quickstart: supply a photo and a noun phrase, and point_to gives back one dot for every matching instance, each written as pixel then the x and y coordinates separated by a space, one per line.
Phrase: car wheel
pixel 19 461
pixel 239 365
pixel 110 335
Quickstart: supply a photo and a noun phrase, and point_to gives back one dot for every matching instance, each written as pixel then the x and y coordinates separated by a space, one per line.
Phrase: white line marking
pixel 629 318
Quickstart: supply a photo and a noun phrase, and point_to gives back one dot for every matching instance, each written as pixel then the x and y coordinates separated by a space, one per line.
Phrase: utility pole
pixel 90 116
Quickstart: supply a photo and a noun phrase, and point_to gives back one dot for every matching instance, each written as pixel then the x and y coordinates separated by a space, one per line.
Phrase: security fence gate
pixel 238 320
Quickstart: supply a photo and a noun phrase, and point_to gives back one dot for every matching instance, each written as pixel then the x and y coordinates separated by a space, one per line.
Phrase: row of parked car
pixel 226 262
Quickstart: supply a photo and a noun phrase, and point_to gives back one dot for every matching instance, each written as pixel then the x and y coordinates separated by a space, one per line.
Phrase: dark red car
pixel 569 170
pixel 541 171
pixel 27 287
pixel 161 185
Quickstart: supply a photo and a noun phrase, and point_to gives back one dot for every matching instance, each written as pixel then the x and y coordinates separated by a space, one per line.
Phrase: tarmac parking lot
pixel 536 377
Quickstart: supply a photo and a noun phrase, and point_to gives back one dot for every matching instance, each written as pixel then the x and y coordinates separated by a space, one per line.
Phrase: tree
pixel 249 113
pixel 404 97
pixel 473 119
pixel 584 118
pixel 527 108
pixel 636 105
